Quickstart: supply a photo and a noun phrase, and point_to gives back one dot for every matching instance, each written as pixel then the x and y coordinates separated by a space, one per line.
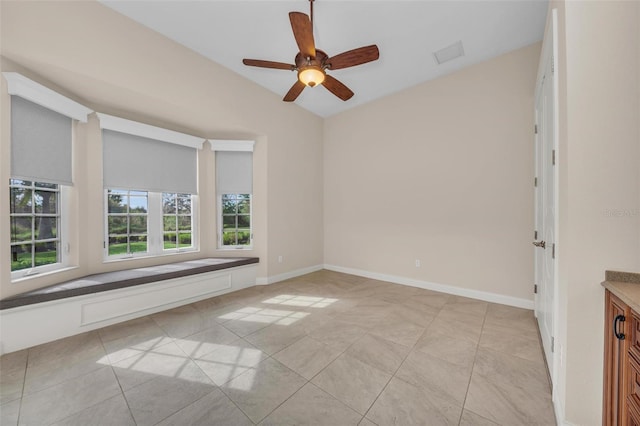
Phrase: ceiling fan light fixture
pixel 311 76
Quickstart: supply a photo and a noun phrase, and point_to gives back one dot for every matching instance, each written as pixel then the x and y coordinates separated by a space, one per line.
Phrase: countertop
pixel 624 285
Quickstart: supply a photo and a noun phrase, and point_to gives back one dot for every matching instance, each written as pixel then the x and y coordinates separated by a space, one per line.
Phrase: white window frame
pixel 221 227
pixel 232 145
pixel 19 85
pixel 64 197
pixel 155 229
pixel 177 215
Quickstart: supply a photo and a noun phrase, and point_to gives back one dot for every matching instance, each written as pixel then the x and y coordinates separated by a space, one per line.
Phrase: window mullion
pixel 155 236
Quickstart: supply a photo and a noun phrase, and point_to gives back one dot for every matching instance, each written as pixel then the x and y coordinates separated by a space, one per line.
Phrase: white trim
pixel 22 327
pixel 123 125
pixel 442 288
pixel 558 408
pixel 230 145
pixel 28 89
pixel 288 275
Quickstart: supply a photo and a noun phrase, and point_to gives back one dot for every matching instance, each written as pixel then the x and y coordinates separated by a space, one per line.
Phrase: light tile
pixel 276 337
pixel 447 381
pixel 366 422
pixel 167 360
pixel 347 334
pixel 404 404
pixel 501 367
pixel 132 337
pixel 230 361
pixel 250 323
pixel 449 348
pixel 64 359
pixel 421 315
pixel 461 327
pixel 307 357
pixel 379 353
pixel 506 404
pixel 206 341
pixel 312 406
pixel 9 413
pixel 212 409
pixel 466 305
pixel 12 372
pixel 112 412
pixel 431 299
pixel 501 338
pixel 353 382
pixel 68 398
pixel 338 334
pixel 469 418
pixel 183 321
pixel 365 317
pixel 163 396
pixel 223 312
pixel 398 331
pixel 515 318
pixel 259 391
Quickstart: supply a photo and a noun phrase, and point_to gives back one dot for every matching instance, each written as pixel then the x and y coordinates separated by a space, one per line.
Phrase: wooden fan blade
pixel 354 57
pixel 337 88
pixel 295 90
pixel 303 33
pixel 268 64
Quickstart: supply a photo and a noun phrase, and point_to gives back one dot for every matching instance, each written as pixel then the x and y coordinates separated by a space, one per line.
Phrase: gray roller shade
pixel 40 143
pixel 136 162
pixel 234 172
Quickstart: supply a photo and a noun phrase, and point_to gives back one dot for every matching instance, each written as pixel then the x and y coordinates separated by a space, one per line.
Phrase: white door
pixel 545 204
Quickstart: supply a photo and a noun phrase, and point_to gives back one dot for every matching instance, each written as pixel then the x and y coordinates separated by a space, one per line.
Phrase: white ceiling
pixel 406 32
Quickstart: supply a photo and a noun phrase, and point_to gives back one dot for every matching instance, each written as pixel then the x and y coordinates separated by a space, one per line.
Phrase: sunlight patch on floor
pixel 306 301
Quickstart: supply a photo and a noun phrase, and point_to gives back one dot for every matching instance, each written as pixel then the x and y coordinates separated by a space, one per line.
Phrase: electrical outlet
pixel 280 259
pixel 417 263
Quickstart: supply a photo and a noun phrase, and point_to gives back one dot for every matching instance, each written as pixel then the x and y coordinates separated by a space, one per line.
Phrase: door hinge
pixel 535 129
pixel 535 289
pixel 553 157
pixel 553 64
pixel 553 344
pixel 535 182
pixel 535 235
pixel 553 250
pixel 104 244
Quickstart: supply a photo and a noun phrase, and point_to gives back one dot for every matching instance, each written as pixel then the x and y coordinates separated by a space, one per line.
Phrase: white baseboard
pixel 443 288
pixel 288 275
pixel 30 325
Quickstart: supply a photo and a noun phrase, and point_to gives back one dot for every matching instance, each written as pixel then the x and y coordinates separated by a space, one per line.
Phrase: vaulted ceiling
pixel 406 32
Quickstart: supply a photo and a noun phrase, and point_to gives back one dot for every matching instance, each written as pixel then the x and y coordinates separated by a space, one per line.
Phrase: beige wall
pixel 443 173
pixel 599 154
pixel 107 62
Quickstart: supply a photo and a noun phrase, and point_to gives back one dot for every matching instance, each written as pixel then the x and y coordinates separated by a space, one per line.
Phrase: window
pixel 145 223
pixel 234 188
pixel 42 123
pixel 127 222
pixel 177 221
pixel 35 224
pixel 236 220
pixel 151 203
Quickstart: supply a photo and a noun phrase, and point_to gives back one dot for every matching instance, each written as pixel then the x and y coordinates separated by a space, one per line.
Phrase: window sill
pixel 42 274
pixel 149 256
pixel 235 248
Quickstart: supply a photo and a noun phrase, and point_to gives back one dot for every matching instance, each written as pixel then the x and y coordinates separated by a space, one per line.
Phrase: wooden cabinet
pixel 621 396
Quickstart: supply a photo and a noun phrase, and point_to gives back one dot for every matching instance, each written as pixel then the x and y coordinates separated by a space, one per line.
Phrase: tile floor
pixel 322 349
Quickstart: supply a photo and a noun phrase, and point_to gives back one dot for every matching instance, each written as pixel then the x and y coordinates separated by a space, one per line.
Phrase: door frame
pixel 550 53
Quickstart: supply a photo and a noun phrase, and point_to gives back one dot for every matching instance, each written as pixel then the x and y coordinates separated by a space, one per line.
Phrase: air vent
pixel 449 53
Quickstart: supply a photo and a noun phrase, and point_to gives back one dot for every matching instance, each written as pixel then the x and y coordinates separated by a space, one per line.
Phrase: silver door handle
pixel 539 244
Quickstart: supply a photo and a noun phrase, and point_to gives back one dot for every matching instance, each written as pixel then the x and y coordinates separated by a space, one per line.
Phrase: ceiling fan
pixel 312 64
